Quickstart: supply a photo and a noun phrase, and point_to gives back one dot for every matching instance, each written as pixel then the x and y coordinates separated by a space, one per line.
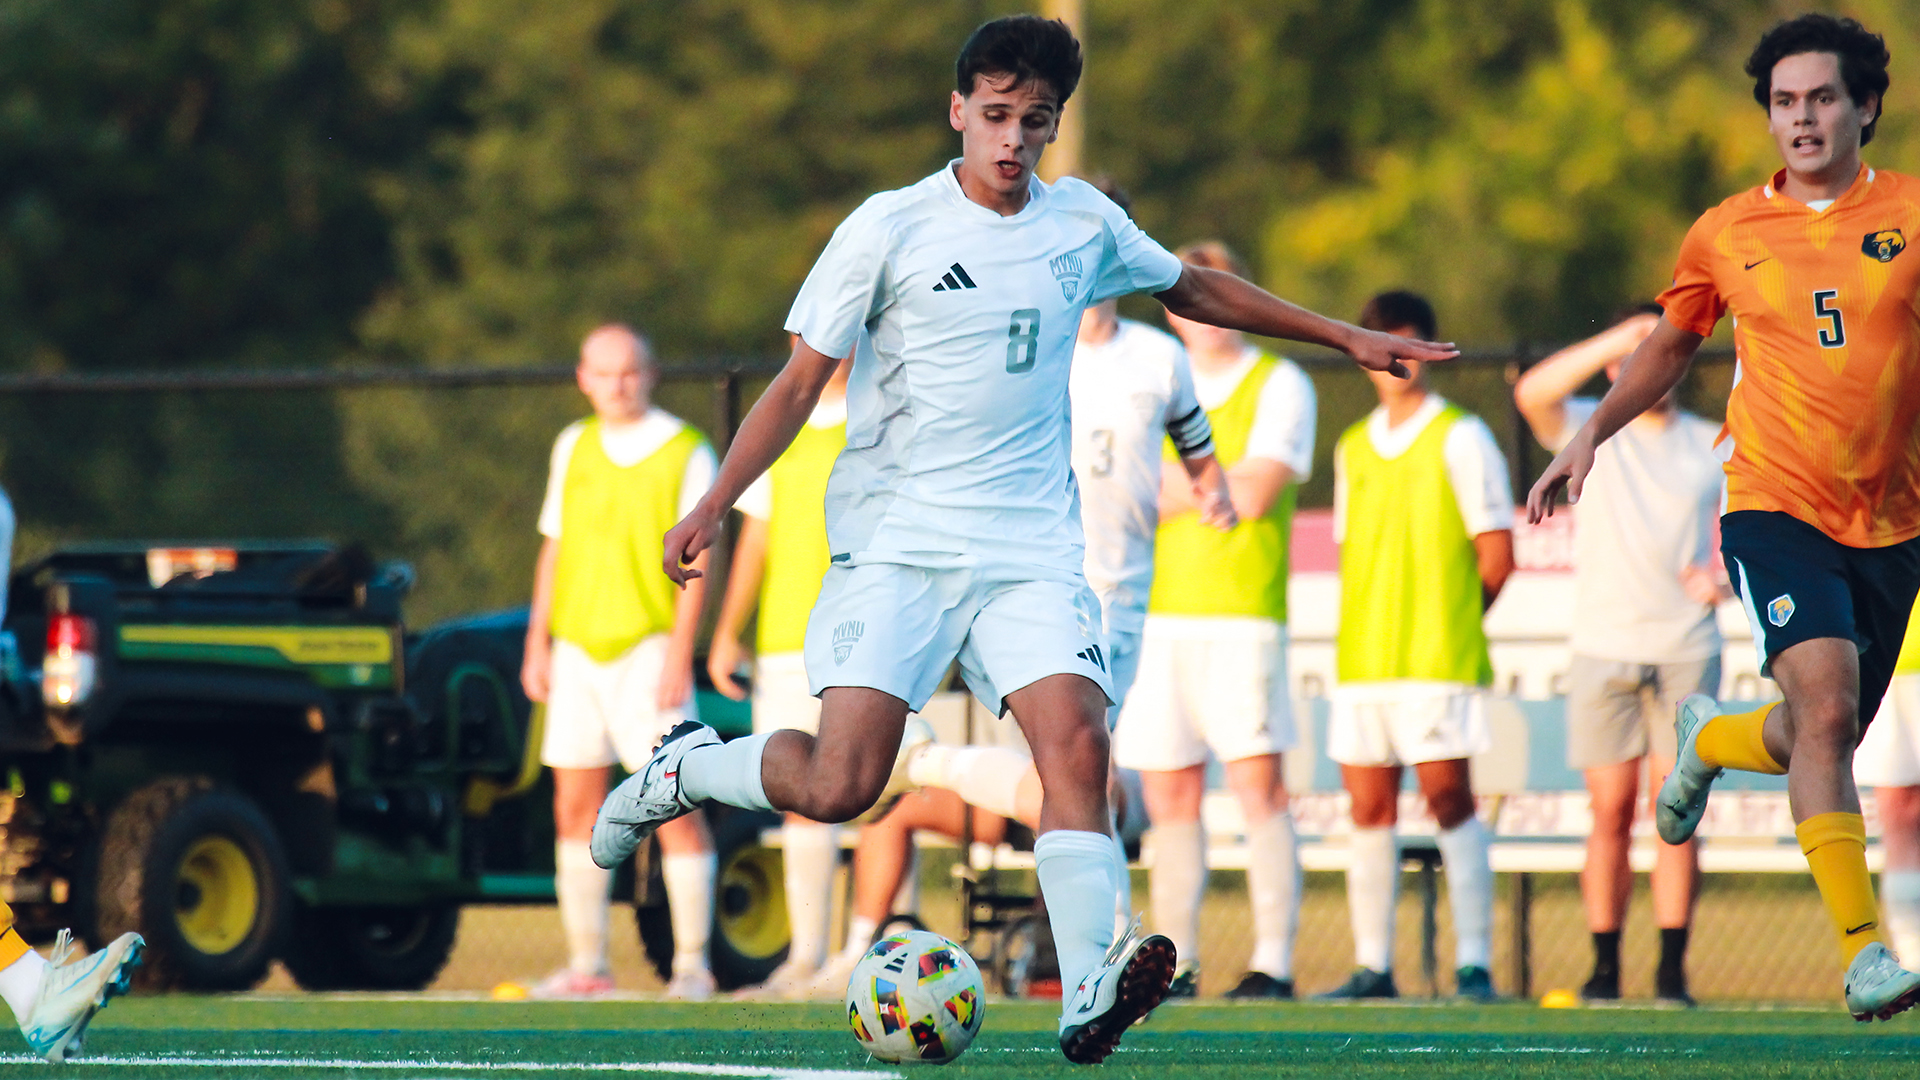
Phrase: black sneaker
pixel 1473 984
pixel 1670 990
pixel 1259 984
pixel 1603 986
pixel 1185 984
pixel 1363 984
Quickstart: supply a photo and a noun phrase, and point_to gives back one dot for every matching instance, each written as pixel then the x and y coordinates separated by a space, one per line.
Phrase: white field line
pixel 678 1068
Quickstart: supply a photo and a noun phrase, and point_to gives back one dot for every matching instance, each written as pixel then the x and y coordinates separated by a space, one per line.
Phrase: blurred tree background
pixel 306 183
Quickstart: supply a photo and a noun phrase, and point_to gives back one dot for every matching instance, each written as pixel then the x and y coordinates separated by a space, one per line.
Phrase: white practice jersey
pixel 961 323
pixel 1129 392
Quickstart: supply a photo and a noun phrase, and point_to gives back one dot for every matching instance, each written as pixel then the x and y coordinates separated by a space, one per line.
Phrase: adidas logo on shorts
pixel 1091 654
pixel 844 637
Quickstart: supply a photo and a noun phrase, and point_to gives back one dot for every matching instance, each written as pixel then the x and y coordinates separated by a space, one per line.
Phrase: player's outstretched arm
pixel 1222 299
pixel 1656 367
pixel 767 431
pixel 1541 394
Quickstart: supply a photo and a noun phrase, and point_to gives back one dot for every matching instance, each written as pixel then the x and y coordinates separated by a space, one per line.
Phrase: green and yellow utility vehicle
pixel 239 751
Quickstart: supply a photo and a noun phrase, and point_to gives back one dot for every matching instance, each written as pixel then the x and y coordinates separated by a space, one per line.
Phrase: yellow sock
pixel 1836 848
pixel 1733 741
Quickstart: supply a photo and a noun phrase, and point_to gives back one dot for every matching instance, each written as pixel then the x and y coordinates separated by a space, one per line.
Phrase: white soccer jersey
pixel 962 326
pixel 1128 391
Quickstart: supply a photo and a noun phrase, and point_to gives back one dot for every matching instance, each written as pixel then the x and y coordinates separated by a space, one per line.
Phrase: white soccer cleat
pixel 648 799
pixel 1683 797
pixel 73 990
pixel 1877 986
pixel 917 734
pixel 691 984
pixel 1122 990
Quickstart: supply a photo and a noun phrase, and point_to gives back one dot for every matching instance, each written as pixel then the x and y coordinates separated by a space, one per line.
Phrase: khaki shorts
pixel 1619 711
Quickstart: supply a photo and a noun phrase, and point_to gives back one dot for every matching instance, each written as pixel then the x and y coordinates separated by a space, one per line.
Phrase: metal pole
pixel 1523 935
pixel 1065 156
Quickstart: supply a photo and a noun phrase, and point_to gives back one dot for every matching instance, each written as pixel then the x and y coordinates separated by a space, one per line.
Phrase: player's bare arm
pixel 1654 369
pixel 1222 299
pixel 768 430
pixel 537 659
pixel 676 669
pixel 1203 487
pixel 1494 552
pixel 749 567
pixel 1541 394
pixel 1249 488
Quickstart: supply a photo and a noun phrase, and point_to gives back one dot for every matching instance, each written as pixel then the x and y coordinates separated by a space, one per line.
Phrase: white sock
pixel 20 983
pixel 860 931
pixel 984 776
pixel 1373 882
pixel 689 881
pixel 1123 897
pixel 582 889
pixel 810 852
pixel 1077 879
pixel 1273 887
pixel 1177 884
pixel 1899 913
pixel 1465 851
pixel 728 773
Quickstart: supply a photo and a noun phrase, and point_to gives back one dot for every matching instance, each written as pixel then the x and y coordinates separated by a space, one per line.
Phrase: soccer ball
pixel 915 996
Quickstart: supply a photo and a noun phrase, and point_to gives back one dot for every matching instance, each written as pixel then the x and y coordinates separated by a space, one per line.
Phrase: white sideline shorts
pixel 1889 753
pixel 781 698
pixel 598 714
pixel 897 628
pixel 1123 664
pixel 1407 722
pixel 1206 683
pixel 1618 710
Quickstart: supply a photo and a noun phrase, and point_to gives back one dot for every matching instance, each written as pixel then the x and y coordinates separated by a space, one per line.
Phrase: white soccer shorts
pixel 598 714
pixel 1123 665
pixel 1889 753
pixel 1406 723
pixel 781 698
pixel 1206 684
pixel 897 628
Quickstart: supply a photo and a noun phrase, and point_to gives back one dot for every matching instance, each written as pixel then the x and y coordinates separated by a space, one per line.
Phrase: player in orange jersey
pixel 1822 451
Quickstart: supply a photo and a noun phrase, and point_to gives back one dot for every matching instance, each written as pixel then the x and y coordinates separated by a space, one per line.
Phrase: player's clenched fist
pixel 684 542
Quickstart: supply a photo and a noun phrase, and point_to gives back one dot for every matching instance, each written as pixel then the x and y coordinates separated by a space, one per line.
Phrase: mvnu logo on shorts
pixel 1780 609
pixel 844 637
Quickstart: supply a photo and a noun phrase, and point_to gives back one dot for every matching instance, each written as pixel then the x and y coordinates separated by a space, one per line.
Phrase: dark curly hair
pixel 1401 309
pixel 1027 47
pixel 1862 53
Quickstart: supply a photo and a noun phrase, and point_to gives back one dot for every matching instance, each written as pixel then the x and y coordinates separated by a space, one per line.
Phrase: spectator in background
pixel 1644 635
pixel 1212 675
pixel 610 648
pixel 1424 519
pixel 1888 760
pixel 778 562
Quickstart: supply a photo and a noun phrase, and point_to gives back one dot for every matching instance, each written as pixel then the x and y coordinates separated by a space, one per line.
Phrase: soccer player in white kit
pixel 953 515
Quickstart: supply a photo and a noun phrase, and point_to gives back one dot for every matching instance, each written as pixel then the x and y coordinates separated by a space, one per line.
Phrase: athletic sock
pixel 728 773
pixel 810 852
pixel 1900 909
pixel 582 890
pixel 1673 953
pixel 860 931
pixel 1373 882
pixel 1177 883
pixel 1273 888
pixel 984 776
pixel 20 982
pixel 1836 848
pixel 1606 954
pixel 689 881
pixel 1076 877
pixel 1122 897
pixel 1465 851
pixel 1734 741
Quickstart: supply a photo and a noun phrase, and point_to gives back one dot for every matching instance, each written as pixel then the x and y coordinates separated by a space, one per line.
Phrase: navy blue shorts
pixel 1799 584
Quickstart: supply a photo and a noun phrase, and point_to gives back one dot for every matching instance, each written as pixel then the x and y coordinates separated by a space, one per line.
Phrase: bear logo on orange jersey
pixel 1883 245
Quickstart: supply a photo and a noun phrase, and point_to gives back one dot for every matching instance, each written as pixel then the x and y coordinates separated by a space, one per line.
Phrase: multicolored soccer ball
pixel 915 996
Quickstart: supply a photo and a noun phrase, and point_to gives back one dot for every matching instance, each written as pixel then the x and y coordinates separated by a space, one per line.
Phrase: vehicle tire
pixel 199 872
pixel 750 932
pixel 371 948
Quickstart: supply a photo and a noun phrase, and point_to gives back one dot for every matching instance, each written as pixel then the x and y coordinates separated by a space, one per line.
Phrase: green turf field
pixel 298 1038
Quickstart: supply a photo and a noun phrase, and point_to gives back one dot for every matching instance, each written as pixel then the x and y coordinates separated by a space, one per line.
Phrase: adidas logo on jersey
pixel 955 278
pixel 1091 654
pixel 844 637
